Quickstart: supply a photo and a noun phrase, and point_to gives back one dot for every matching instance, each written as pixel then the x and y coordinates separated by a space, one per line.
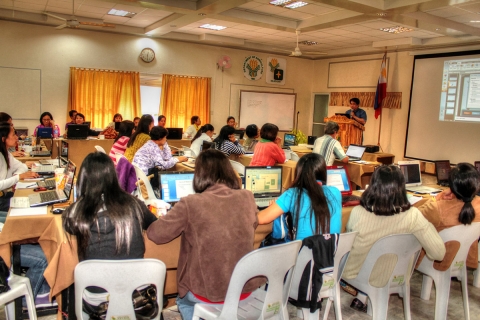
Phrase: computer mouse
pixel 58 210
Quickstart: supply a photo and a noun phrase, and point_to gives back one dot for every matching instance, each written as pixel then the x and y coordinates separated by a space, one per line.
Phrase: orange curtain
pixel 184 97
pixel 99 94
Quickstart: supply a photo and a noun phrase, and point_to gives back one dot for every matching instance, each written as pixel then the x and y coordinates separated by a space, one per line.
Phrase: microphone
pixel 296 129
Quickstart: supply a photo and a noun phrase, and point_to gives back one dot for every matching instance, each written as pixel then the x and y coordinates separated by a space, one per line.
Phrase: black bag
pixel 144 302
pixel 4 274
pixel 292 234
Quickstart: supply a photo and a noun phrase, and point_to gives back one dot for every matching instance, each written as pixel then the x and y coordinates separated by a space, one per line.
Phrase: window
pixel 150 97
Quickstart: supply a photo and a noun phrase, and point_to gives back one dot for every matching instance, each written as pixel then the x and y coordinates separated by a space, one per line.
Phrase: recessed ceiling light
pixel 280 2
pixel 308 43
pixel 396 29
pixel 381 14
pixel 475 21
pixel 121 13
pixel 437 29
pixel 296 4
pixel 202 14
pixel 212 27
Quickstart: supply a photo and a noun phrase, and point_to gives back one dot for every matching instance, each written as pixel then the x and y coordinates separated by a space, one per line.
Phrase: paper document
pixel 26 185
pixel 413 199
pixel 34 211
pixel 19 202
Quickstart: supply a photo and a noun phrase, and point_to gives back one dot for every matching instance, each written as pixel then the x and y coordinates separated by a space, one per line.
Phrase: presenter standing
pixel 356 113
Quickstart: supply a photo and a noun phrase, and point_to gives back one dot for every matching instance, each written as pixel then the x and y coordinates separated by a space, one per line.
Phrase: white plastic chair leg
pixel 379 309
pixel 18 289
pixel 426 287
pixel 466 306
pixel 406 301
pixel 326 311
pixel 337 303
pixel 442 292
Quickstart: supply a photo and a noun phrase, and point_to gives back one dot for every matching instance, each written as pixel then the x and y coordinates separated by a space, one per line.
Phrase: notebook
pixel 288 140
pixel 355 152
pixel 45 132
pixel 61 195
pixel 176 185
pixel 442 168
pixel 413 177
pixel 77 131
pixel 337 176
pixel 175 133
pixel 265 183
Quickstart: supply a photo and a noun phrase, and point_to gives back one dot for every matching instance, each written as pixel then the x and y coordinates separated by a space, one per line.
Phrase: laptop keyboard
pixel 44 168
pixel 40 153
pixel 49 183
pixel 264 202
pixel 48 196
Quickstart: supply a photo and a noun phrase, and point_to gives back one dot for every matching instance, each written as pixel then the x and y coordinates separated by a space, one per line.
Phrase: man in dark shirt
pixel 356 113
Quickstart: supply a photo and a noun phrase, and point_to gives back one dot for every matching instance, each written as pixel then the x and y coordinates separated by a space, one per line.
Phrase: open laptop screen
pixel 289 140
pixel 264 180
pixel 338 177
pixel 69 173
pixel 411 172
pixel 176 185
pixel 355 151
pixel 45 132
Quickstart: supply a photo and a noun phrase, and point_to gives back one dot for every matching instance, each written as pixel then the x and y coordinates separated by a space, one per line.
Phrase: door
pixel 320 111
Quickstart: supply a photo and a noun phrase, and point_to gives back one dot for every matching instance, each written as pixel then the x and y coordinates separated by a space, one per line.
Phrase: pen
pixel 32 185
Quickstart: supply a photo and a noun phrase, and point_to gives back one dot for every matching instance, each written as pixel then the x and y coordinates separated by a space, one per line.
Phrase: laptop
pixel 239 134
pixel 117 126
pixel 45 132
pixel 413 177
pixel 288 140
pixel 355 152
pixel 265 183
pixel 61 195
pixel 43 153
pixel 337 176
pixel 77 131
pixel 442 168
pixel 44 169
pixel 176 185
pixel 87 123
pixel 175 133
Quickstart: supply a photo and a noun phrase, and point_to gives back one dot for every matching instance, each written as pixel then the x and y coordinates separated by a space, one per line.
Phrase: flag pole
pixel 381 116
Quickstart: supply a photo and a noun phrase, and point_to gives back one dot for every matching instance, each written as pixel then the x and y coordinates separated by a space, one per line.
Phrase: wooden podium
pixel 350 130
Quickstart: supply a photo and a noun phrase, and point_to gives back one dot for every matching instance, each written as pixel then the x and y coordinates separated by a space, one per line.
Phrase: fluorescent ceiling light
pixel 280 2
pixel 121 13
pixel 212 27
pixel 308 43
pixel 296 4
pixel 396 29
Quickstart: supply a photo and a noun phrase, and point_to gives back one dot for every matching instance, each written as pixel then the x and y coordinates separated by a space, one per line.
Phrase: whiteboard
pixel 261 107
pixel 20 91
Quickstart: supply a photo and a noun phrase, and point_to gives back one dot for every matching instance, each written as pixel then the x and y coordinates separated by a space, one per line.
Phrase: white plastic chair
pixel 407 248
pixel 272 262
pixel 238 167
pixel 118 156
pixel 331 282
pixel 476 276
pixel 120 278
pixel 294 156
pixel 189 152
pixel 465 235
pixel 100 149
pixel 19 286
pixel 141 176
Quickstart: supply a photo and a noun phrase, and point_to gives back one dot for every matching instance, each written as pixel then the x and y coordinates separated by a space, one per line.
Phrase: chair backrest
pixel 100 149
pixel 405 246
pixel 465 235
pixel 344 246
pixel 120 278
pixel 187 150
pixel 118 156
pixel 294 156
pixel 238 167
pixel 141 176
pixel 272 262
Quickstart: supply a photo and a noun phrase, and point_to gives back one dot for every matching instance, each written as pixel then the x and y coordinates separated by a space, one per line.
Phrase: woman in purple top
pixel 156 155
pixel 46 121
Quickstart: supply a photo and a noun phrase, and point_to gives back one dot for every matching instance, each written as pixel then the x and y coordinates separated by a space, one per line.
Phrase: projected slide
pixel 460 96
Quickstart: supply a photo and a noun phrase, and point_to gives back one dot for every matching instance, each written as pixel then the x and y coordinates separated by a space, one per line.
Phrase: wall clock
pixel 147 55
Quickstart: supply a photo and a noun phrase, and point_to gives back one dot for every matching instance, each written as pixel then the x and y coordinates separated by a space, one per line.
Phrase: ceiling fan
pixel 297 53
pixel 74 23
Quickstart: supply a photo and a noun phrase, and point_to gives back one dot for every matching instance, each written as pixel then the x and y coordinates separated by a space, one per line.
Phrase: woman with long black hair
pixel 140 137
pixel 120 144
pixel 227 143
pixel 205 133
pixel 316 208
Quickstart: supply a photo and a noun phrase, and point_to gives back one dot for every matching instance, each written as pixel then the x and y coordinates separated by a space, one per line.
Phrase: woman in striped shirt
pixel 120 144
pixel 227 143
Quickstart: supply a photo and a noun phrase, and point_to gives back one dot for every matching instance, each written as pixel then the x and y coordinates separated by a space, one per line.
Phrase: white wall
pixel 55 51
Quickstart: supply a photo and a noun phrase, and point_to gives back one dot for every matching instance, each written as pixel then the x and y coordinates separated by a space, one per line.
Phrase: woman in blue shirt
pixel 315 207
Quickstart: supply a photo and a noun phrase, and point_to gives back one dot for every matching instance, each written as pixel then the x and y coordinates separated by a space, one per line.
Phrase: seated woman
pixel 268 150
pixel 231 122
pixel 5 117
pixel 252 133
pixel 205 133
pixel 162 120
pixel 120 144
pixel 140 137
pixel 191 131
pixel 73 115
pixel 80 119
pixel 384 210
pixel 108 222
pixel 117 117
pixel 156 155
pixel 227 143
pixel 315 207
pixel 46 121
pixel 209 250
pixel 454 206
pixel 31 255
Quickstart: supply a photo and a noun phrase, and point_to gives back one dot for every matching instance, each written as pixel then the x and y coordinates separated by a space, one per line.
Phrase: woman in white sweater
pixel 205 133
pixel 11 170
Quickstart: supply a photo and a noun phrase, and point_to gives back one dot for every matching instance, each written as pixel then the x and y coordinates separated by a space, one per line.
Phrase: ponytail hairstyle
pixel 464 181
pixel 203 129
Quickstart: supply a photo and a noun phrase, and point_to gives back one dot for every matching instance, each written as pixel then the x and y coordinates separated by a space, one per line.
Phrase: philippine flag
pixel 381 88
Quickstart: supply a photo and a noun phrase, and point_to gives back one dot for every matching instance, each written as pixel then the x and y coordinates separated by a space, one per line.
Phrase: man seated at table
pixel 328 146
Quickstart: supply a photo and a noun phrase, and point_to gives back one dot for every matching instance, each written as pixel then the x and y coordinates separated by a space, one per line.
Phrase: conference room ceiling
pixel 339 27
